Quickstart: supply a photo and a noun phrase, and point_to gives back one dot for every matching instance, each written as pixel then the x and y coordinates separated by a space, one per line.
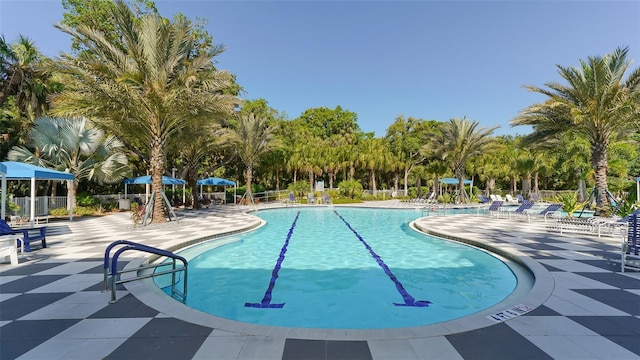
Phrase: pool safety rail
pixel 112 276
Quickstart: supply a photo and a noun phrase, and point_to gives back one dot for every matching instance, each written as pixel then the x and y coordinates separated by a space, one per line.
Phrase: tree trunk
pixel 406 180
pixel 600 165
pixel 157 170
pixel 373 182
pixel 526 186
pixel 249 175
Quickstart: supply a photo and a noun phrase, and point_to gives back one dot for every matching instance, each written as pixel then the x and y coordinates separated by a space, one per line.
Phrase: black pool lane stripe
pixel 408 299
pixel 266 300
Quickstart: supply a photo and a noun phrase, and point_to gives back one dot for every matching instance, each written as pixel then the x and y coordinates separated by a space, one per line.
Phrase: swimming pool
pixel 346 268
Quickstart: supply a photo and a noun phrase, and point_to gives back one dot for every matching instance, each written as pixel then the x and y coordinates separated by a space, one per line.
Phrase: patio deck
pixel 52 307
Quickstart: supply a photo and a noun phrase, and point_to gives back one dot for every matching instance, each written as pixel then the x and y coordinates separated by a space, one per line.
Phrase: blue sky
pixel 380 59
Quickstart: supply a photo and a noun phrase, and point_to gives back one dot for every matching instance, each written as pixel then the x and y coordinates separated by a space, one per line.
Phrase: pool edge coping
pixel 149 294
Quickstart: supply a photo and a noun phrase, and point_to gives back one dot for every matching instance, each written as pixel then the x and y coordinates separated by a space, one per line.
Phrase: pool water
pixel 348 268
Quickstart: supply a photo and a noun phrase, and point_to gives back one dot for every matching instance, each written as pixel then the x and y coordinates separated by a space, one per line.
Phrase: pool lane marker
pixel 408 299
pixel 266 300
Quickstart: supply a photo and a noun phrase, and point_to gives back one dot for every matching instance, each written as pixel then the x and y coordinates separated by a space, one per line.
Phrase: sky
pixel 433 60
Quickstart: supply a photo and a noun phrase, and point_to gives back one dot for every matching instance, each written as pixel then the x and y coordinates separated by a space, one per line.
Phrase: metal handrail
pixel 111 279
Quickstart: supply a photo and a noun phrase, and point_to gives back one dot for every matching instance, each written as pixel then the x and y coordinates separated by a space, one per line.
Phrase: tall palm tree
pixel 74 145
pixel 458 141
pixel 146 89
pixel 374 155
pixel 597 104
pixel 254 138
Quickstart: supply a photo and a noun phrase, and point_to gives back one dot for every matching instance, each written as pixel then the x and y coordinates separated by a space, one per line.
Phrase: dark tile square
pixel 610 325
pixel 31 269
pixel 163 339
pixel 127 307
pixel 28 283
pixel 348 350
pixel 551 268
pixel 541 255
pixel 495 342
pixel 295 349
pixel 18 337
pixel 613 279
pixel 619 299
pixel 539 246
pixel 622 330
pixel 542 311
pixel 19 306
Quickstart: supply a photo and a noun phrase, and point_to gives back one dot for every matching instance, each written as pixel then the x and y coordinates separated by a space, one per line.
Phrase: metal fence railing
pixel 43 205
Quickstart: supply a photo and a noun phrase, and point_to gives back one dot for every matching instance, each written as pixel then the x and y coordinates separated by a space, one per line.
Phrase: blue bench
pixel 28 235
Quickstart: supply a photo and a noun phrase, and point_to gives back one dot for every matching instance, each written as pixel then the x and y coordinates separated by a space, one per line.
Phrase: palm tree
pixel 146 89
pixel 74 146
pixel 254 138
pixel 596 104
pixel 23 76
pixel 374 155
pixel 460 140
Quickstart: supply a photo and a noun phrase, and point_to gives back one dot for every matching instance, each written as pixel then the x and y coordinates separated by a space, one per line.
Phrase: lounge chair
pixel 310 198
pixel 290 200
pixel 326 199
pixel 510 198
pixel 493 197
pixel 28 235
pixel 431 198
pixel 483 199
pixel 519 211
pixel 495 207
pixel 631 244
pixel 550 210
pixel 499 198
pixel 520 198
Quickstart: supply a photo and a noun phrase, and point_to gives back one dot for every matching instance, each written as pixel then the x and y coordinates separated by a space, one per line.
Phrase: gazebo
pixel 218 181
pixel 12 170
pixel 454 181
pixel 166 180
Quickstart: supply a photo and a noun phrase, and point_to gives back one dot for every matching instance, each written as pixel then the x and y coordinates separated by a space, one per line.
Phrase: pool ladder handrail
pixel 114 278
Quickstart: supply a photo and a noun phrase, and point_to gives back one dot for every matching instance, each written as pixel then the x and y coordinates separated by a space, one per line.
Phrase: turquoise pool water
pixel 351 268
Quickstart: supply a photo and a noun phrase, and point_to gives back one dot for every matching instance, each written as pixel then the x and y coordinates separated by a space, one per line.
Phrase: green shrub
pixel 351 189
pixel 570 203
pixel 87 200
pixel 346 201
pixel 300 189
pixel 84 210
pixel 59 212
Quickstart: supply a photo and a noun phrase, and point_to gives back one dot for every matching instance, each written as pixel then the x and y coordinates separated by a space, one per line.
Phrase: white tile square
pixel 71 283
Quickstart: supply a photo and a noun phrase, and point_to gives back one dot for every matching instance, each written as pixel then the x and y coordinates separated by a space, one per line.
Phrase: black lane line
pixel 408 299
pixel 266 300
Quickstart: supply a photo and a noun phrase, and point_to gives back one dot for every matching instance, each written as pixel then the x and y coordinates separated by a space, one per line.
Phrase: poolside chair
pixel 28 235
pixel 290 200
pixel 483 199
pixel 310 198
pixel 326 199
pixel 493 197
pixel 519 198
pixel 495 207
pixel 631 244
pixel 551 210
pixel 510 198
pixel 499 198
pixel 430 198
pixel 519 211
